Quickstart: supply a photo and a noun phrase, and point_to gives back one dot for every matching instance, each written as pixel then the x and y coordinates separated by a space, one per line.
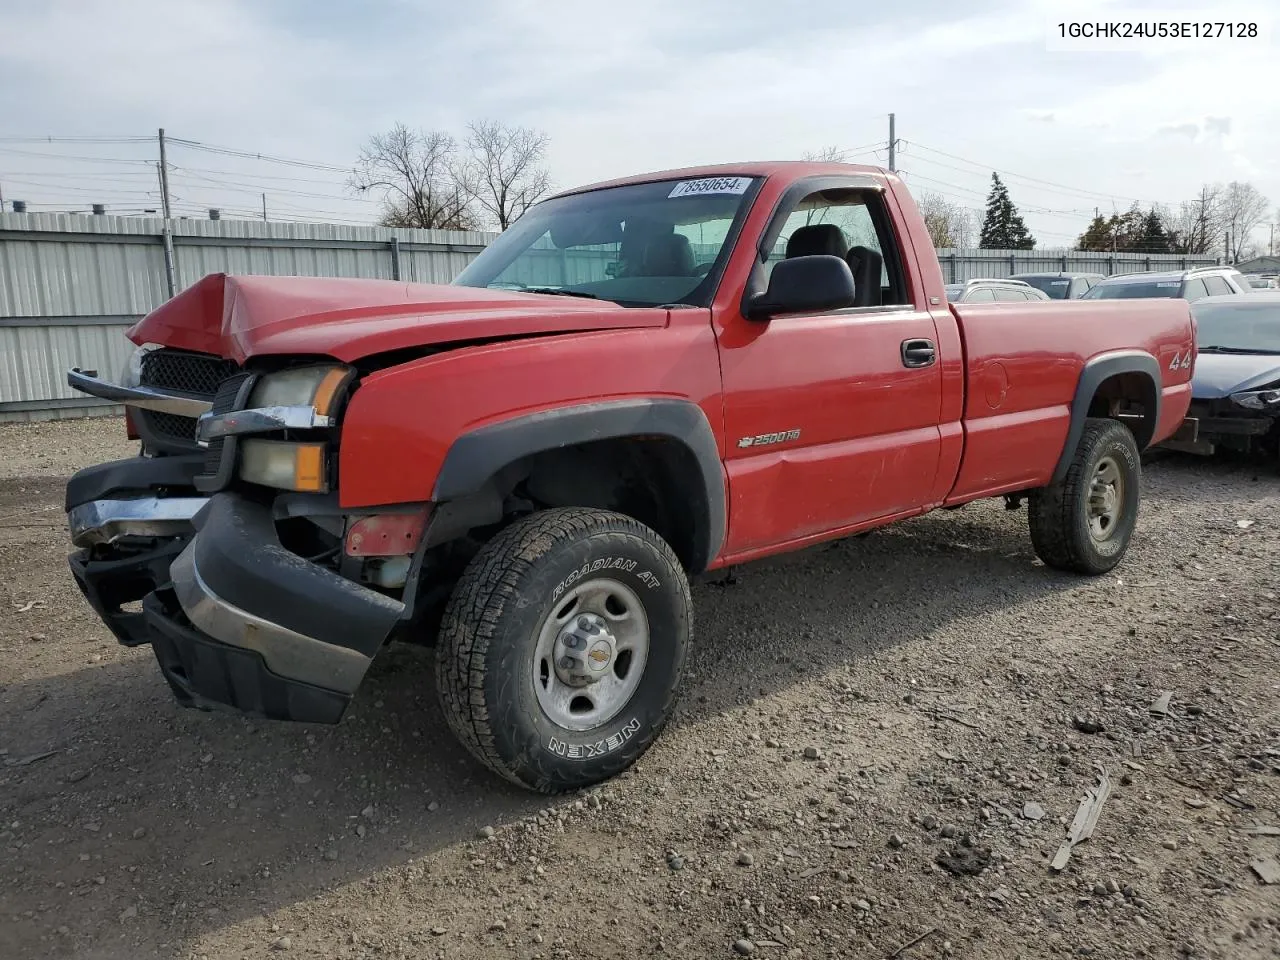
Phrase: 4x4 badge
pixel 1179 362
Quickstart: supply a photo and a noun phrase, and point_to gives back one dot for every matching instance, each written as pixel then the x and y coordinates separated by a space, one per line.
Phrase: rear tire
pixel 1084 522
pixel 562 648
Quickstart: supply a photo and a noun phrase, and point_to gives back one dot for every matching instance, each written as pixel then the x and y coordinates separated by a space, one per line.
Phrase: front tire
pixel 1084 523
pixel 562 648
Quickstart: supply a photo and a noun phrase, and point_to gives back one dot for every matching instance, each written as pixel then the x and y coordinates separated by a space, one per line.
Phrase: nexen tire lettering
pixel 585 751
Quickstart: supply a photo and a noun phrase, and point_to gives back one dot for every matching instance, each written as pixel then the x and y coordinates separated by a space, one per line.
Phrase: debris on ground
pixel 1086 819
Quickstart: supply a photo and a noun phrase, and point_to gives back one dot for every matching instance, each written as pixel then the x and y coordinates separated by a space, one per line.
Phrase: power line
pixel 1046 211
pixel 75 139
pixel 1020 176
pixel 249 155
pixel 258 188
pixel 65 156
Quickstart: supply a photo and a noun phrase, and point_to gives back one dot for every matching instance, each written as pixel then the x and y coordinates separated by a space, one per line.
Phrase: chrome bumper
pixel 146 398
pixel 104 521
pixel 285 652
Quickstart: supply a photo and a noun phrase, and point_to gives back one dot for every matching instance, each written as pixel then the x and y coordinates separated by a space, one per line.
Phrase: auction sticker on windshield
pixel 689 188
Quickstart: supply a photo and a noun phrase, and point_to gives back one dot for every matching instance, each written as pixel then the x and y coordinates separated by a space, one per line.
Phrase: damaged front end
pixel 1242 423
pixel 224 546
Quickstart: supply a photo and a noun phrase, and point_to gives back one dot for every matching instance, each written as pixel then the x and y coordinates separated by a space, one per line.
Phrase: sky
pixel 625 88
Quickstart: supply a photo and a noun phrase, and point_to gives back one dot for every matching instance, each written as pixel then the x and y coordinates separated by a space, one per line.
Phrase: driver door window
pixel 852 225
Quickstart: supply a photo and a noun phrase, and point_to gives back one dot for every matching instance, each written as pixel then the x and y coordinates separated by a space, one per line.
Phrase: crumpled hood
pixel 243 317
pixel 1219 375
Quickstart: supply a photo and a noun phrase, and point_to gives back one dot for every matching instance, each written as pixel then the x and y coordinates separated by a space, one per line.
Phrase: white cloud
pixel 625 89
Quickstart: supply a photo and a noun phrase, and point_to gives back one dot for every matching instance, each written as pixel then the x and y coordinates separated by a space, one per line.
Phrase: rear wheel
pixel 1084 522
pixel 562 647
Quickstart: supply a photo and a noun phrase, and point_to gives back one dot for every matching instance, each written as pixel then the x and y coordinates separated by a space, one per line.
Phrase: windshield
pixel 1055 287
pixel 1242 327
pixel 640 245
pixel 1133 291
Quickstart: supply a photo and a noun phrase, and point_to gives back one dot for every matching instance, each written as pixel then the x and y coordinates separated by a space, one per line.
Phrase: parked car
pixel 1261 282
pixel 1060 286
pixel 989 291
pixel 1236 384
pixel 523 468
pixel 1188 284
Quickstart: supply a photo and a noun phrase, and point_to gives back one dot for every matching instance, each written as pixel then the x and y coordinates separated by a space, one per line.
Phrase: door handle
pixel 918 353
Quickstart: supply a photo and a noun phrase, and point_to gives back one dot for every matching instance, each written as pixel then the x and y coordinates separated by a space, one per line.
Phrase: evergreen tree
pixel 1155 238
pixel 1097 236
pixel 1002 225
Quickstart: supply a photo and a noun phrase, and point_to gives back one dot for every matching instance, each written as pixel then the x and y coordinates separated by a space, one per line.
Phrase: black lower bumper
pixel 235 618
pixel 209 675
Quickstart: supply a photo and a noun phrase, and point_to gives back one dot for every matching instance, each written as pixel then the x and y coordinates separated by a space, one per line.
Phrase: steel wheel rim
pixel 622 630
pixel 1106 499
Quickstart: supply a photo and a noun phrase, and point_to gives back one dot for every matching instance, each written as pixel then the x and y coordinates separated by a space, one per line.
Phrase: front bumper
pixel 235 618
pixel 1206 428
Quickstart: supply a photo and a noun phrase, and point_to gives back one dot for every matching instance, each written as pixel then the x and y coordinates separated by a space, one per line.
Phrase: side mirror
pixel 804 285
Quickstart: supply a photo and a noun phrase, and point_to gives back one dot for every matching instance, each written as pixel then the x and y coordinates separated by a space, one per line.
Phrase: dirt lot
pixel 858 715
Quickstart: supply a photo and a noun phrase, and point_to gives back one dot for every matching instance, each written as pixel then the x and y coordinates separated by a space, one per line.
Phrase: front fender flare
pixel 475 457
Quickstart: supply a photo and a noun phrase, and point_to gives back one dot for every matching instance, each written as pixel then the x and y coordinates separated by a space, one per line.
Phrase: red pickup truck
pixel 639 381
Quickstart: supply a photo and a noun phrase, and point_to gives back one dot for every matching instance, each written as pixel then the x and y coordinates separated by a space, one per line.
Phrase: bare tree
pixel 949 224
pixel 419 175
pixel 1199 223
pixel 505 172
pixel 1243 208
pixel 826 155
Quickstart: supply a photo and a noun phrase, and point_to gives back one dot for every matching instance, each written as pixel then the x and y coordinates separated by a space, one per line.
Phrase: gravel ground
pixel 882 743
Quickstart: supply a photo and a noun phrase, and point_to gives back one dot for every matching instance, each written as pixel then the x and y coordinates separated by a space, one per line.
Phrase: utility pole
pixel 164 178
pixel 264 206
pixel 1226 249
pixel 1271 245
pixel 166 232
pixel 893 145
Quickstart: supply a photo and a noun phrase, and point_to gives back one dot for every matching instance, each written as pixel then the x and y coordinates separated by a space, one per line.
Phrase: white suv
pixel 1188 284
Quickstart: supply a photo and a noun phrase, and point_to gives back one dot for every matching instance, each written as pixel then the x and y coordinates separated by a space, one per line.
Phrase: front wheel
pixel 1084 522
pixel 562 647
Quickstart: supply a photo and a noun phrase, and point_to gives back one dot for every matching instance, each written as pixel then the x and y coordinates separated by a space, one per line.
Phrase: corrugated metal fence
pixel 70 285
pixel 961 265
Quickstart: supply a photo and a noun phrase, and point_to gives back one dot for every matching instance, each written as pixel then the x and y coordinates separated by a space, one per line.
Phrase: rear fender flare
pixel 476 457
pixel 1095 372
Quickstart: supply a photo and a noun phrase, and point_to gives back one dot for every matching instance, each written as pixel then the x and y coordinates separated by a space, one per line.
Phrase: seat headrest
pixel 669 256
pixel 817 239
pixel 865 264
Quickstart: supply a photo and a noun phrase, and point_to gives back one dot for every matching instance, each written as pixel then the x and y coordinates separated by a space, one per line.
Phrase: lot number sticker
pixel 689 188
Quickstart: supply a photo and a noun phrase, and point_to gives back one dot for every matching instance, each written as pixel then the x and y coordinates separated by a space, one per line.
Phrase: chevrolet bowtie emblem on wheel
pixel 767 438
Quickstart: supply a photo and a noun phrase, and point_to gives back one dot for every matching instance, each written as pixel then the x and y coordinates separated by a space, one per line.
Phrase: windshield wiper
pixel 1213 348
pixel 560 292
